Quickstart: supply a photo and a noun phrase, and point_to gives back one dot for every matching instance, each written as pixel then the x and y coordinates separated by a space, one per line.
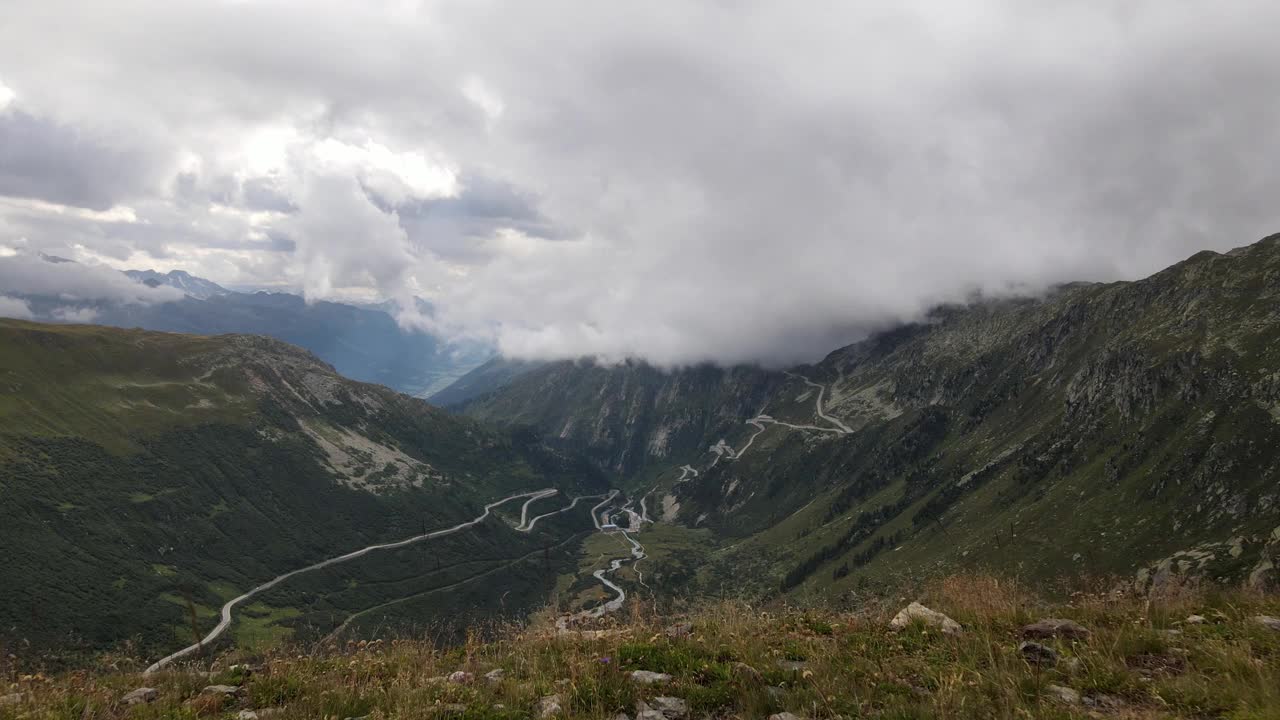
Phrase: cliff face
pixel 1095 429
pixel 631 416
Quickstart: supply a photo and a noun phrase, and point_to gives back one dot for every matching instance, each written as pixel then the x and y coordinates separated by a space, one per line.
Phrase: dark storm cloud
pixel 43 160
pixel 703 181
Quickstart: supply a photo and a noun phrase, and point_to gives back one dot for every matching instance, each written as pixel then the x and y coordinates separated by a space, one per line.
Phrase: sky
pixel 725 180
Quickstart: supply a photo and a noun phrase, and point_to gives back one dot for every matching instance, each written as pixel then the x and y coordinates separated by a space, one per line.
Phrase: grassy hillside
pixel 1133 656
pixel 148 477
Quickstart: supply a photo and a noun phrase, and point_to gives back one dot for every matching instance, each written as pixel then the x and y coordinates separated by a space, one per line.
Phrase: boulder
pixel 1056 627
pixel 670 708
pixel 460 677
pixel 1268 621
pixel 1038 655
pixel 746 673
pixel 550 706
pixel 647 677
pixel 1063 694
pixel 141 695
pixel 915 612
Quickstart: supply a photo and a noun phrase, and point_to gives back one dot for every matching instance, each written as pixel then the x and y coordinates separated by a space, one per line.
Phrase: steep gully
pixel 687 472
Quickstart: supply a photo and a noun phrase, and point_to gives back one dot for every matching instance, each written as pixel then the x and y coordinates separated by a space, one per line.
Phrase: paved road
pixel 225 622
pixel 821 413
pixel 526 527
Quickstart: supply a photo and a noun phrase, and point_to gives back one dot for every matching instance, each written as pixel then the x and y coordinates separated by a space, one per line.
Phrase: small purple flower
pixel 605 660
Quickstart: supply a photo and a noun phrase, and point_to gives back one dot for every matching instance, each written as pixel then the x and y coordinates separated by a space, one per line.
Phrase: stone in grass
pixel 1063 694
pixel 1268 621
pixel 461 677
pixel 1196 620
pixel 141 695
pixel 647 677
pixel 746 673
pixel 1107 702
pixel 550 706
pixel 1038 655
pixel 917 612
pixel 660 708
pixel 220 690
pixel 1056 627
pixel 11 699
pixel 785 716
pixel 495 676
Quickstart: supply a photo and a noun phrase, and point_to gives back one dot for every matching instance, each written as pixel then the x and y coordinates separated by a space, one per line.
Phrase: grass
pixel 750 661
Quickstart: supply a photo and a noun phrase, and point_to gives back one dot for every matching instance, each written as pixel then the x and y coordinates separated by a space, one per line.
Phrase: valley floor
pixel 1186 653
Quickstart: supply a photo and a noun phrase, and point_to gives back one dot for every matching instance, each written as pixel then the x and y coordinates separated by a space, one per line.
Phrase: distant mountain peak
pixel 193 286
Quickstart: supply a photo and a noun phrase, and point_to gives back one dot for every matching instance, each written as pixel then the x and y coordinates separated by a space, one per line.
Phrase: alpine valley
pixel 1128 429
pixel 167 492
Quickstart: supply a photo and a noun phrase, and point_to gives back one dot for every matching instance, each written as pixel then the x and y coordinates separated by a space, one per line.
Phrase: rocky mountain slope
pixel 1128 428
pixel 630 416
pixel 190 285
pixel 145 478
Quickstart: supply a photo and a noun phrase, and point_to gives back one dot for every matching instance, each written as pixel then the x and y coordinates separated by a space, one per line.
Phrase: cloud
pixel 11 307
pixel 70 314
pixel 342 240
pixel 27 275
pixel 42 160
pixel 715 181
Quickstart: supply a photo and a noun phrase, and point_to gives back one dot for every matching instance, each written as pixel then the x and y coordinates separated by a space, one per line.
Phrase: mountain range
pixel 1123 431
pixel 1128 428
pixel 362 342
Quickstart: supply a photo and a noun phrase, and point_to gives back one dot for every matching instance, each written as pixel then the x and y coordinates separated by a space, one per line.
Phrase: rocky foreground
pixel 970 647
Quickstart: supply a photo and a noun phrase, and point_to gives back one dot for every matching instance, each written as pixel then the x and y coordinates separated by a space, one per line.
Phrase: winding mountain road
pixel 227 608
pixel 722 450
pixel 845 429
pixel 527 527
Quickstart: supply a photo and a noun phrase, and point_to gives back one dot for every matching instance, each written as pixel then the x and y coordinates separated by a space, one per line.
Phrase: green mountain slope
pixel 486 379
pixel 142 470
pixel 1099 429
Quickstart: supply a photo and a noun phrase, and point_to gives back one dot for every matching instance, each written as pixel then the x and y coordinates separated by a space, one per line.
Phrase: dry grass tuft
pixel 736 660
